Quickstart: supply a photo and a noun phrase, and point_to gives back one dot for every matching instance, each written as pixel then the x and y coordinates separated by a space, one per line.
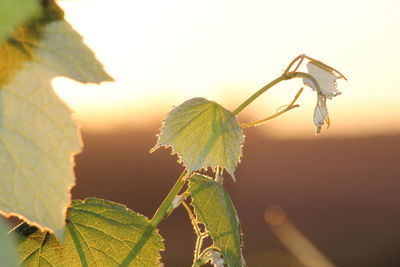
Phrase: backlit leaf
pixel 14 12
pixel 98 233
pixel 214 208
pixel 37 135
pixel 204 134
pixel 8 255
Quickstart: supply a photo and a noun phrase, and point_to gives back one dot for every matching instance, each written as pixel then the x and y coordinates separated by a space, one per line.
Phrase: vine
pixel 38 137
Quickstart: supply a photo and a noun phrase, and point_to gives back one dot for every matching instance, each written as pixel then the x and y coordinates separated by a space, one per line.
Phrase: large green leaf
pixel 214 208
pixel 8 255
pixel 204 134
pixel 98 233
pixel 37 135
pixel 14 12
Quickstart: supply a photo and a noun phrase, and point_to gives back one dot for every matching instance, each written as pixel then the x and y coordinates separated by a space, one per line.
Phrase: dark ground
pixel 343 194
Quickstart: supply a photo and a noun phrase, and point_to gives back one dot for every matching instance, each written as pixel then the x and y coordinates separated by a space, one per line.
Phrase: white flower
pixel 326 79
pixel 320 114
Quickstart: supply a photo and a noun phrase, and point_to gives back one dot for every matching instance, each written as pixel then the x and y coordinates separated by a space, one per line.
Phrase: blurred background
pixel 339 189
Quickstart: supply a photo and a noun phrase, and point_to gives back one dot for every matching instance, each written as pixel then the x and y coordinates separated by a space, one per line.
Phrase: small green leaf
pixel 8 255
pixel 14 13
pixel 98 233
pixel 204 134
pixel 214 208
pixel 37 134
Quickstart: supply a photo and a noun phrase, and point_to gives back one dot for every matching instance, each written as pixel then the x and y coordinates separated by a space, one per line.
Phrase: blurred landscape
pixel 343 194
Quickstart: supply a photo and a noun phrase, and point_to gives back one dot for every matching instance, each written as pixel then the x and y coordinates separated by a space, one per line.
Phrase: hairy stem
pixel 192 218
pixel 257 94
pixel 289 107
pixel 200 235
pixel 163 208
pixel 283 77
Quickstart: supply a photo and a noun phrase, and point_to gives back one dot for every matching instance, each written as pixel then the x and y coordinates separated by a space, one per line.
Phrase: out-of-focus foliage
pixel 37 134
pixel 14 13
pixel 8 255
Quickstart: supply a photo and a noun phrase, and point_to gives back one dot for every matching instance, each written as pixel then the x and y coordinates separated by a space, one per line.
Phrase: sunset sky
pixel 162 53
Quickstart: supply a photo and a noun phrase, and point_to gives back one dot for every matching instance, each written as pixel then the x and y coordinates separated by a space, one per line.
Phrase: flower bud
pixel 176 202
pixel 320 116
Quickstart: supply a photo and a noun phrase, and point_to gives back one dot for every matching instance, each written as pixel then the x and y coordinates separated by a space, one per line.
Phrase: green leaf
pixel 37 134
pixel 14 13
pixel 98 233
pixel 8 255
pixel 214 209
pixel 204 134
pixel 38 248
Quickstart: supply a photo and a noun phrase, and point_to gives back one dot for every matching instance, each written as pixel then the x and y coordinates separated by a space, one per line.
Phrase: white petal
pixel 326 80
pixel 320 113
pixel 309 83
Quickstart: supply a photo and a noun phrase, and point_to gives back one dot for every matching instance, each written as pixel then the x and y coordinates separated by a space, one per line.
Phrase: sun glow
pixel 163 53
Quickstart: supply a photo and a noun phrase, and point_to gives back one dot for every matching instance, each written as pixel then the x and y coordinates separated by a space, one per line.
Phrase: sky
pixel 162 53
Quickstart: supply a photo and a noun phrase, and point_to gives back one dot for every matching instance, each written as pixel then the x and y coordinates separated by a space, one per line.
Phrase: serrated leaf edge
pixel 180 160
pixel 237 218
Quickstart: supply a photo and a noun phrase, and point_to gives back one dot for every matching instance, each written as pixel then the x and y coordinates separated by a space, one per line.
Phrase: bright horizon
pixel 162 54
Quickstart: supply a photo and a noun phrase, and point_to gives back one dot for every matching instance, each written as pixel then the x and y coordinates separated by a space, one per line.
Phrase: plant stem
pixel 283 77
pixel 289 107
pixel 200 235
pixel 163 208
pixel 256 123
pixel 192 218
pixel 301 58
pixel 257 94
